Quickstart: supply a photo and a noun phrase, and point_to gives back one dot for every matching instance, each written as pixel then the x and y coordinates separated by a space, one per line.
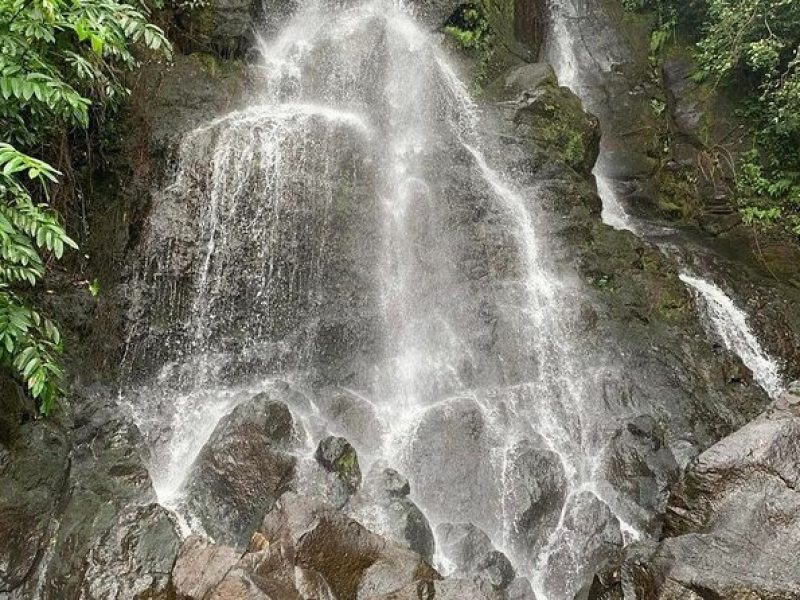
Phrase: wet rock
pixel 242 470
pixel 474 556
pixel 448 589
pixel 739 495
pixel 111 541
pixel 536 492
pixel 34 467
pixel 353 417
pixel 589 537
pixel 463 544
pixel 639 465
pixel 336 455
pixel 226 27
pixel 200 567
pixel 520 589
pixel 353 561
pixel 133 558
pixel 383 507
pixel 450 459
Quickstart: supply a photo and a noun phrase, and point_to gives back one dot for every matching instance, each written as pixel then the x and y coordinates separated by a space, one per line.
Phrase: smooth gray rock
pixel 242 470
pixel 450 459
pixel 474 555
pixel 537 488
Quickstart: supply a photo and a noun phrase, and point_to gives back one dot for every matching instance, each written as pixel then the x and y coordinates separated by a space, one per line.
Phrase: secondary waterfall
pixel 585 64
pixel 729 322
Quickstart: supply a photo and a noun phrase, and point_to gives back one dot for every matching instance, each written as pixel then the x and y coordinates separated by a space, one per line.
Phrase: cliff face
pixel 78 511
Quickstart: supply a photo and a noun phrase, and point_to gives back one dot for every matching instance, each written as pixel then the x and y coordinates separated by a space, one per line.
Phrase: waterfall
pixel 585 63
pixel 348 234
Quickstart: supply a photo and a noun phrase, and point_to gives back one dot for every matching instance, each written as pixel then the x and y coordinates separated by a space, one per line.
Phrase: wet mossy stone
pixel 336 455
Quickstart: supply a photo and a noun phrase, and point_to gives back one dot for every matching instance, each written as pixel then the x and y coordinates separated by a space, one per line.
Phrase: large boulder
pixel 109 540
pixel 553 118
pixel 383 506
pixel 733 525
pixel 134 557
pixel 200 567
pixel 354 562
pixel 242 470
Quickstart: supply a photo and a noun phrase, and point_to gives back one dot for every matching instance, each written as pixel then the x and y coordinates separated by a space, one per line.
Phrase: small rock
pixel 337 455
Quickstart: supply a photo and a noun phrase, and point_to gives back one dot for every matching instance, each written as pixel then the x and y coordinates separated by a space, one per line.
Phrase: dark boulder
pixel 134 557
pixel 552 118
pixel 242 470
pixel 641 468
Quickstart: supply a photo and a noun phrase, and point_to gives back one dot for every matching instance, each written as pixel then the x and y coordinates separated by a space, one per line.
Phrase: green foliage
pixel 470 29
pixel 58 60
pixel 752 47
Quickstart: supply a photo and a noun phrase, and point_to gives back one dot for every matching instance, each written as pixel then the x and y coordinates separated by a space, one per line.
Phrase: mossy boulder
pixel 336 455
pixel 552 119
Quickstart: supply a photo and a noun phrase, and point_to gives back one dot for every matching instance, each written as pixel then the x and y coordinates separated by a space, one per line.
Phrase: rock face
pixel 83 523
pixel 242 470
pixel 474 556
pixel 383 506
pixel 590 536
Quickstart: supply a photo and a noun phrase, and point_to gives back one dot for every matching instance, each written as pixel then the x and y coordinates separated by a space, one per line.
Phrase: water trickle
pixel 729 323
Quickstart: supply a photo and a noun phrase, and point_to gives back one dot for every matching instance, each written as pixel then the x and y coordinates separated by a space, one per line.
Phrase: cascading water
pixel 587 64
pixel 346 236
pixel 729 322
